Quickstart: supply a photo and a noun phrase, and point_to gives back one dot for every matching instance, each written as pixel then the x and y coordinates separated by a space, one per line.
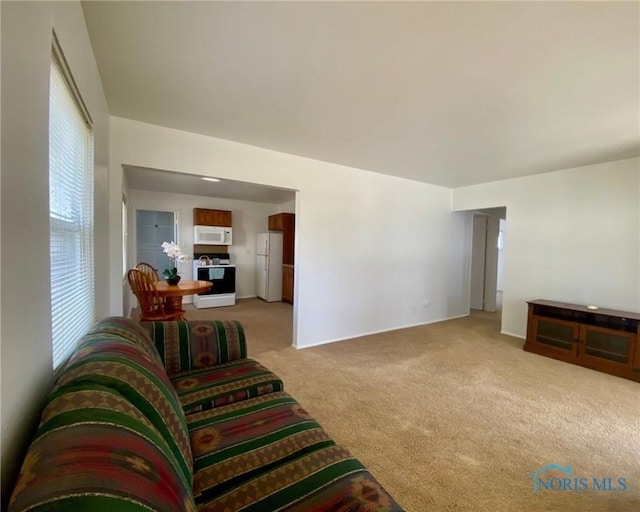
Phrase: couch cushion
pixel 197 344
pixel 234 443
pixel 122 365
pixel 200 390
pixel 95 451
pixel 325 479
pixel 267 453
pixel 129 329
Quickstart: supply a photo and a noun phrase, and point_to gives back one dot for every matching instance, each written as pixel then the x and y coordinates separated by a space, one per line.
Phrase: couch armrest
pixel 189 345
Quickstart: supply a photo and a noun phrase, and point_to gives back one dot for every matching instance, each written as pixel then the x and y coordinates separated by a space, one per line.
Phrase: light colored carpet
pixel 454 416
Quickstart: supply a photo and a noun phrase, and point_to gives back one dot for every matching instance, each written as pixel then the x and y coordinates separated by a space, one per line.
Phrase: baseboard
pixel 247 296
pixel 514 335
pixel 406 326
pixel 446 319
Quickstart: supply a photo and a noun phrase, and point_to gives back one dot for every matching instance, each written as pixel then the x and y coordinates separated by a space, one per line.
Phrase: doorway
pixel 152 228
pixel 487 259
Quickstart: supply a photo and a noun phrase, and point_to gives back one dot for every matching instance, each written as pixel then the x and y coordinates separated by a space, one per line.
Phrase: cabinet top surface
pixel 585 309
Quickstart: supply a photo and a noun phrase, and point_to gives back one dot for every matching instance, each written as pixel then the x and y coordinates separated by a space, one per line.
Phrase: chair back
pixel 151 304
pixel 149 270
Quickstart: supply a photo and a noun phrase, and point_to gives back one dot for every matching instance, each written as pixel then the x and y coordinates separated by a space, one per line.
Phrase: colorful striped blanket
pixel 173 416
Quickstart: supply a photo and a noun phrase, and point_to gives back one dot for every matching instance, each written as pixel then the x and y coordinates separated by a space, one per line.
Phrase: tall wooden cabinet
pixel 602 339
pixel 286 222
pixel 287 283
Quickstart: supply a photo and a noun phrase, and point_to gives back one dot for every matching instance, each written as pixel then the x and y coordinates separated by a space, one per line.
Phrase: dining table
pixel 173 293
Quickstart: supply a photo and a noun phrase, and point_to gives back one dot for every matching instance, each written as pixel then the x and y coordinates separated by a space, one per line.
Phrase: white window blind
pixel 70 212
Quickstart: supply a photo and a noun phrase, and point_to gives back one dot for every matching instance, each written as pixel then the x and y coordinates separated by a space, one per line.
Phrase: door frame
pixel 483 268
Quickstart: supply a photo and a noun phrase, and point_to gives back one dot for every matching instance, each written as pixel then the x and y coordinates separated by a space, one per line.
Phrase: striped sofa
pixel 173 416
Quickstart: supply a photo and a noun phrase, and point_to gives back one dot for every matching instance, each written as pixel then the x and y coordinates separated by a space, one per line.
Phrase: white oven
pixel 223 289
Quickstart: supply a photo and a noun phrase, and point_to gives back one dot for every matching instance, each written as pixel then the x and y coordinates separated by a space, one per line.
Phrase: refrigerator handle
pixel 266 243
pixel 265 263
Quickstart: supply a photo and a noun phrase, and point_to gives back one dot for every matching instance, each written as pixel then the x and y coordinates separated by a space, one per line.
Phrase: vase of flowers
pixel 175 254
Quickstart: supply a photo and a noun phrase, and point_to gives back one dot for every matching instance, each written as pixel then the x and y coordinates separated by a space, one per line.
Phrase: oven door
pixel 223 278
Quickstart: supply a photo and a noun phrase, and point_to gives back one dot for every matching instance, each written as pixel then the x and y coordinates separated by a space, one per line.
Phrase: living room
pixel 573 234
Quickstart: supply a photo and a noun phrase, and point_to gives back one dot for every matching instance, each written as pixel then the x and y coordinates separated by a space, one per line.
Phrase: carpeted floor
pixel 456 417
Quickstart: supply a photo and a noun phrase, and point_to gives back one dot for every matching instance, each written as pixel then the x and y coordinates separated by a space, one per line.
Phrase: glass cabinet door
pixel 607 345
pixel 557 337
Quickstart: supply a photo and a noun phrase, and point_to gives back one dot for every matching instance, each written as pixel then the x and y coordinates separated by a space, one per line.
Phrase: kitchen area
pixel 230 216
pixel 212 258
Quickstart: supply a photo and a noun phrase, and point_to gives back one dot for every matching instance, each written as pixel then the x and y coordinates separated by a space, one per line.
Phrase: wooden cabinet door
pixel 610 350
pixel 554 338
pixel 222 218
pixel 287 284
pixel 200 217
pixel 635 364
pixel 288 238
pixel 276 222
pixel 207 217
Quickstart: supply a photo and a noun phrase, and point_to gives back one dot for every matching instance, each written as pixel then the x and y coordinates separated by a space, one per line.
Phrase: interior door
pixel 478 254
pixel 152 228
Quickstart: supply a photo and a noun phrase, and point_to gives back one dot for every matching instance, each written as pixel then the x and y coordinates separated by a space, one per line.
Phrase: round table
pixel 174 292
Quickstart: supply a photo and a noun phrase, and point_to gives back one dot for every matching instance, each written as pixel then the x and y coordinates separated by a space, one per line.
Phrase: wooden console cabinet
pixel 603 339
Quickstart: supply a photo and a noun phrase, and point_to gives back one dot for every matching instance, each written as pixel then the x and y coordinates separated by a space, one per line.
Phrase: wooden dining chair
pixel 152 272
pixel 149 270
pixel 152 305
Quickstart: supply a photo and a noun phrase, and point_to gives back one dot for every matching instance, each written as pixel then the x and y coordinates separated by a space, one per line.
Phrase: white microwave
pixel 211 235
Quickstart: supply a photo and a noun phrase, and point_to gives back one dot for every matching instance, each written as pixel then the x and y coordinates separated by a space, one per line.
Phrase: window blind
pixel 70 213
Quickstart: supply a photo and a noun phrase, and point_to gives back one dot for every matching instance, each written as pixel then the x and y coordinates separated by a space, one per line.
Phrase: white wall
pixel 288 207
pixel 573 237
pixel 374 252
pixel 249 218
pixel 26 34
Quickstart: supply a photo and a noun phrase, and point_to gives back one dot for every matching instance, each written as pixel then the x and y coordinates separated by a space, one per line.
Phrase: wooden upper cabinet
pixel 276 222
pixel 285 222
pixel 206 217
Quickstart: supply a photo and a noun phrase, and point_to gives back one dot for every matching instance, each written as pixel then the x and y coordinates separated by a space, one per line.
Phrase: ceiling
pixel 157 180
pixel 449 93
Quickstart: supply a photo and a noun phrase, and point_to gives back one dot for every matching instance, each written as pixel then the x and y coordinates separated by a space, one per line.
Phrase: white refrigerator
pixel 269 266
